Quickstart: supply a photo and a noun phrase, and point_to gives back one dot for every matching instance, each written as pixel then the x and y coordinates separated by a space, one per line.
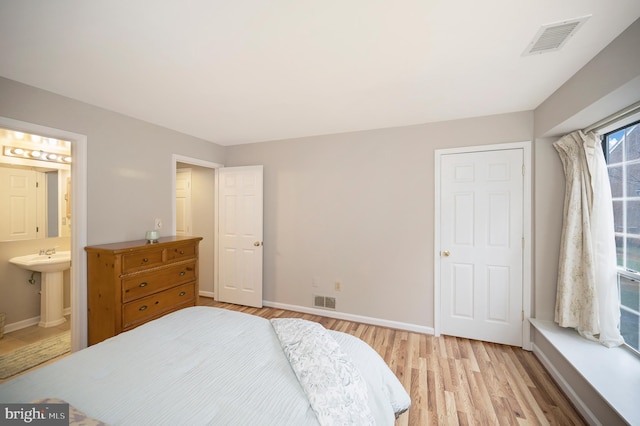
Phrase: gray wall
pixel 129 165
pixel 608 83
pixel 358 207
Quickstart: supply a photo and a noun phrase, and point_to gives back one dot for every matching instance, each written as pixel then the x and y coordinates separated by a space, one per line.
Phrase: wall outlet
pixel 338 286
pixel 158 223
pixel 315 282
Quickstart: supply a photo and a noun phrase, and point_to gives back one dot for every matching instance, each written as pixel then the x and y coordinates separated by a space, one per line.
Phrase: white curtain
pixel 587 295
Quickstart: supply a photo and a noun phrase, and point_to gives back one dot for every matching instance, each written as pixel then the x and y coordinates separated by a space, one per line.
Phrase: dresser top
pixel 125 246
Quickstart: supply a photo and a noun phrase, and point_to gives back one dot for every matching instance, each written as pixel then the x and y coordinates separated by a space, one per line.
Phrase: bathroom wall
pixel 19 299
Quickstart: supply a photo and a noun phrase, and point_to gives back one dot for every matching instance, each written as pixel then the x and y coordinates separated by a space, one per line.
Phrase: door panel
pixel 183 202
pixel 481 231
pixel 240 235
pixel 18 195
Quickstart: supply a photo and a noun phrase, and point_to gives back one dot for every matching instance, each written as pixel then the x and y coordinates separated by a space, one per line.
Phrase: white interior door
pixel 18 196
pixel 481 254
pixel 183 202
pixel 240 235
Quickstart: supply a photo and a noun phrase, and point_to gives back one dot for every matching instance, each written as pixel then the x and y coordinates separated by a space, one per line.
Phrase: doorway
pixel 482 254
pixel 78 213
pixel 193 213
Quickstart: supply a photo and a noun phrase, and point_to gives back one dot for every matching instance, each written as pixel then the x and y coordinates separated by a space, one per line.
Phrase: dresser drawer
pixel 141 260
pixel 142 310
pixel 184 252
pixel 146 283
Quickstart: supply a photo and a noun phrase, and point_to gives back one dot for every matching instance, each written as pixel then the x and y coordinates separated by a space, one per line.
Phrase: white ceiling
pixel 244 71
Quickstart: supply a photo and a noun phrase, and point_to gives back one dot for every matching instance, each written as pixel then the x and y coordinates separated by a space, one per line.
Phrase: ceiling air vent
pixel 552 37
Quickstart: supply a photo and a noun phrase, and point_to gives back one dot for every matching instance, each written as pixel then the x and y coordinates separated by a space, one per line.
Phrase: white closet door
pixel 481 245
pixel 240 206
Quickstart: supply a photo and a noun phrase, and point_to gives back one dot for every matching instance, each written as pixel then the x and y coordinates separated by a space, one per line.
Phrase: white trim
pixel 611 372
pixel 351 317
pixel 527 221
pixel 206 294
pixel 564 385
pixel 175 159
pixel 19 325
pixel 78 222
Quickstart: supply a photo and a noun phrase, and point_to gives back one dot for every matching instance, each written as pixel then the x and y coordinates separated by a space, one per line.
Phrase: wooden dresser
pixel 133 282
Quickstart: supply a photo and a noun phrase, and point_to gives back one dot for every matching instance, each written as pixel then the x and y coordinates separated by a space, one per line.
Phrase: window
pixel 622 153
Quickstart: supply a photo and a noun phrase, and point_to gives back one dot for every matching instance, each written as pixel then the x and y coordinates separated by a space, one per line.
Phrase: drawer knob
pixel 143 284
pixel 181 251
pixel 145 260
pixel 143 307
pixel 182 273
pixel 182 293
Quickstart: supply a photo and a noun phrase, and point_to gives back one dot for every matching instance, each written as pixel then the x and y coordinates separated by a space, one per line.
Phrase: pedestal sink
pixel 52 267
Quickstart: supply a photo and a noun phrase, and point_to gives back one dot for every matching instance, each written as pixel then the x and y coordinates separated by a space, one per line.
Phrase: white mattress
pixel 197 366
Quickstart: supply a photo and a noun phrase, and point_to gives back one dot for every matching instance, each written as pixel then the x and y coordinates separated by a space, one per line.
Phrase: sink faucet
pixel 48 251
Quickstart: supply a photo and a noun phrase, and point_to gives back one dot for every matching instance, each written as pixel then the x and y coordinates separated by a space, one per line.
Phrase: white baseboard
pixel 206 294
pixel 19 325
pixel 351 317
pixel 14 326
pixel 565 386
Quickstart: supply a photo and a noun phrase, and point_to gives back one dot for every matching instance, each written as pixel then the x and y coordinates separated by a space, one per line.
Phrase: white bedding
pixel 198 366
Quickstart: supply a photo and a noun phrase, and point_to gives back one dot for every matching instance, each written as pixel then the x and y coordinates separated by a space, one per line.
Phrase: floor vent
pixel 552 37
pixel 324 302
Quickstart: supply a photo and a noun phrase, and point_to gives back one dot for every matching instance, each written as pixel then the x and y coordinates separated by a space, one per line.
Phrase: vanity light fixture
pixel 36 154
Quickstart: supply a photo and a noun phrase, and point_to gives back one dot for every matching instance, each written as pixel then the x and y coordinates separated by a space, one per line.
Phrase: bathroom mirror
pixel 35 183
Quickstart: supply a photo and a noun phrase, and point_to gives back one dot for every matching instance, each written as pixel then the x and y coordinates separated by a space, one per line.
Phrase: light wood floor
pixel 451 381
pixel 454 381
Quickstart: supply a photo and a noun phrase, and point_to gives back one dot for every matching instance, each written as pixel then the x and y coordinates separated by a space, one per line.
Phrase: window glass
pixel 629 328
pixel 632 256
pixel 618 216
pixel 615 178
pixel 633 217
pixel 632 175
pixel 622 152
pixel 629 294
pixel 615 144
pixel 631 143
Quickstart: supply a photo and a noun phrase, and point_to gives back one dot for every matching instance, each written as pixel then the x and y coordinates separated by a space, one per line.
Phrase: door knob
pixel 257 244
pixel 446 253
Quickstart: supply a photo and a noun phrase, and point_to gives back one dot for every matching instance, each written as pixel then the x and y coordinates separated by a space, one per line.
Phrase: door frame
pixel 527 231
pixel 78 285
pixel 175 159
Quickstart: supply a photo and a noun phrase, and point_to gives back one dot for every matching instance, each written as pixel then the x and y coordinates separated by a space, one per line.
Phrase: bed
pixel 205 365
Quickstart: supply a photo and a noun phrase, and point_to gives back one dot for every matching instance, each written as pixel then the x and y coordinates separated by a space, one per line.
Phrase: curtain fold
pixel 587 293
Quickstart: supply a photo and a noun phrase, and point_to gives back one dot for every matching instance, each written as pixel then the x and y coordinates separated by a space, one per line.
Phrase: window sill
pixel 614 373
